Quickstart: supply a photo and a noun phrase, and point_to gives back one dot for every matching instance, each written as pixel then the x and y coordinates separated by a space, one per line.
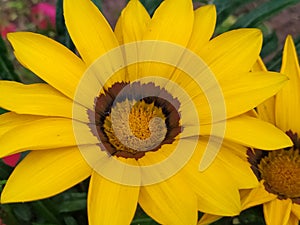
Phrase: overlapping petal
pixel 232 53
pixel 287 103
pixel 255 133
pixel 296 210
pixel 204 25
pixel 237 167
pixel 107 199
pixel 169 202
pixel 255 196
pixel 42 134
pixel 215 194
pixel 34 99
pixel 45 173
pixel 88 29
pixel 277 212
pixel 10 120
pixel 48 59
pixel 243 93
pixel 132 23
pixel 166 25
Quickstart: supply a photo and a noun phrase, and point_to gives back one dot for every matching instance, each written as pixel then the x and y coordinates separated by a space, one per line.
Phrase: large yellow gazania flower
pixel 130 116
pixel 278 171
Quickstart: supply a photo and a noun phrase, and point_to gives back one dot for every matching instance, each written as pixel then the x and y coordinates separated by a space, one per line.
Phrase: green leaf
pixel 69 220
pixel 271 44
pixel 151 5
pixel 2 111
pixel 43 224
pixel 143 221
pixel 141 218
pixel 275 63
pixel 22 212
pixel 98 3
pixel 252 216
pixel 42 210
pixel 72 205
pixel 262 13
pixel 7 71
pixel 62 32
pixel 5 170
pixel 227 8
pixel 7 214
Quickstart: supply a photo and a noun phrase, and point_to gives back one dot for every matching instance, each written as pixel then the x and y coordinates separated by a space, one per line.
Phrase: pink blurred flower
pixel 4 29
pixel 1 222
pixel 12 160
pixel 43 15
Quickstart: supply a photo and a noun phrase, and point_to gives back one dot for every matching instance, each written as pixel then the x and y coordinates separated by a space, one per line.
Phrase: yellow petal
pixel 48 59
pixel 170 202
pixel 249 90
pixel 296 210
pixel 11 120
pixel 238 168
pixel 243 93
pixel 288 99
pixel 259 66
pixel 216 195
pixel 45 173
pixel 131 26
pixel 293 220
pixel 118 31
pixel 232 52
pixel 253 132
pixel 266 110
pixel 172 21
pixel 88 29
pixel 38 134
pixel 110 203
pixel 204 25
pixel 255 196
pixel 277 212
pixel 133 22
pixel 35 99
pixel 207 219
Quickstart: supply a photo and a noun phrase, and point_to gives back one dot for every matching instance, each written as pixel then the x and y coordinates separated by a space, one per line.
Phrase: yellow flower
pixel 278 171
pixel 280 194
pixel 127 112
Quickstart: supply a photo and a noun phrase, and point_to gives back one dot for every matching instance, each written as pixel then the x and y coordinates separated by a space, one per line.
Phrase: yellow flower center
pixel 135 126
pixel 281 172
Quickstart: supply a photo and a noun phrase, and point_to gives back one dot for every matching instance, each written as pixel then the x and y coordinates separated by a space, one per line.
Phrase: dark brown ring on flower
pixel 148 101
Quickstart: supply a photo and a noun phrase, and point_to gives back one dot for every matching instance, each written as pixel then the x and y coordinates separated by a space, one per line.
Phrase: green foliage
pixel 151 5
pixel 262 12
pixel 61 30
pixel 7 71
pixel 252 216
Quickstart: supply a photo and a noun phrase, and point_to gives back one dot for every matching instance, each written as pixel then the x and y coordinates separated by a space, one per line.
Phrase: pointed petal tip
pixel 4 199
pixel 289 38
pixel 253 32
pixel 211 7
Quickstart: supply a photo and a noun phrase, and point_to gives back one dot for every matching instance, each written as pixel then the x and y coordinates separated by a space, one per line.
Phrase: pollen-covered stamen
pixel 146 120
pixel 281 172
pixel 135 126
